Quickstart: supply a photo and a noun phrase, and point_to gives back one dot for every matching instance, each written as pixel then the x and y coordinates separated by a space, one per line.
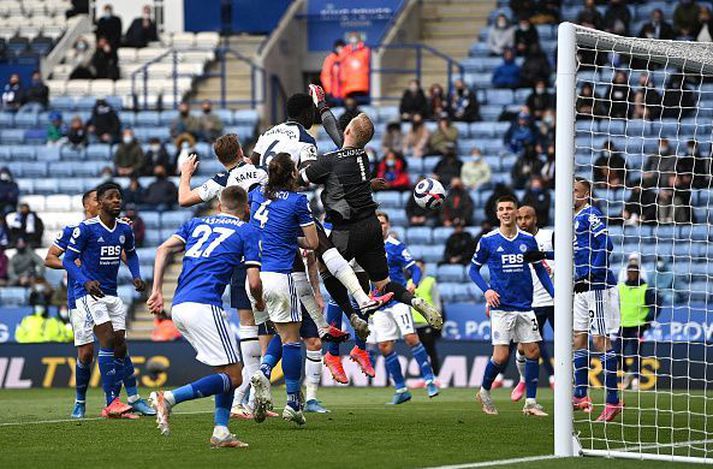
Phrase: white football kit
pixel 540 297
pixel 289 137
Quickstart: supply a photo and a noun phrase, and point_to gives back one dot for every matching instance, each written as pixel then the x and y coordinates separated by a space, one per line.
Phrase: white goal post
pixel 669 415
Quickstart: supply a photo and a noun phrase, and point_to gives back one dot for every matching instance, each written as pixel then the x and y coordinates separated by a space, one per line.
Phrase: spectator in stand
pixel 211 124
pixel 548 168
pixel 142 30
pixel 590 15
pixel 12 93
pixel 351 106
pixel 647 101
pixel 25 265
pixel 475 172
pixel 41 298
pixel 185 146
pixel 78 7
pixel 640 207
pixel 104 124
pixel 164 329
pixel 535 68
pixel 134 193
pixel 107 174
pixel 105 61
pixel 538 197
pixel 137 224
pixel 393 137
pixel 9 192
pixel 4 243
pixel 617 18
pixel 393 169
pixel 657 28
pixel 458 206
pixel 80 60
pixel 35 98
pixel 694 167
pixel 674 206
pixel 444 137
pixel 355 68
pixel 523 8
pixel 129 156
pixel 416 142
pixel 501 36
pixel 330 74
pixel 464 106
pixel 448 167
pixel 161 194
pixel 610 167
pixel 520 133
pixel 109 27
pixel 418 216
pixel 660 166
pixel 500 190
pixel 685 19
pixel 156 156
pixel 413 102
pixel 545 134
pixel 437 101
pixel 56 130
pixel 27 225
pixel 705 22
pixel 586 105
pixel 507 74
pixel 527 165
pixel 185 123
pixel 547 12
pixel 77 134
pixel 679 101
pixel 525 36
pixel 460 246
pixel 619 96
pixel 540 100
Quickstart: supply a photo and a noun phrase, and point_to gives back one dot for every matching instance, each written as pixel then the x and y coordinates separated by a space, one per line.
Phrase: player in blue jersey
pixel 509 297
pixel 83 329
pixel 98 243
pixel 596 302
pixel 286 224
pixel 394 321
pixel 213 246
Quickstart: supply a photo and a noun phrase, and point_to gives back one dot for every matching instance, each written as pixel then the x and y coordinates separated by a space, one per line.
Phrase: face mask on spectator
pixel 4 176
pixel 107 13
pixel 548 120
pixel 502 23
pixel 128 139
pixel 155 147
pixel 185 145
pixel 539 90
pixel 354 40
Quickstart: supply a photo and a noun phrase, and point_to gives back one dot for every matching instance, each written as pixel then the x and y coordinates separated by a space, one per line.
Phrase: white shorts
pixel 514 326
pixel 207 330
pixel 597 312
pixel 281 299
pixel 103 310
pixel 392 322
pixel 82 328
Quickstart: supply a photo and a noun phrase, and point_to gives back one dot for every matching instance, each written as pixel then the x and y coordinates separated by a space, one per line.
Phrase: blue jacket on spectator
pixel 507 75
pixel 519 134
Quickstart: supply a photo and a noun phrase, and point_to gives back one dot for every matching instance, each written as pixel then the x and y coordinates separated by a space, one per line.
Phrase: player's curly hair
pixel 106 187
pixel 281 175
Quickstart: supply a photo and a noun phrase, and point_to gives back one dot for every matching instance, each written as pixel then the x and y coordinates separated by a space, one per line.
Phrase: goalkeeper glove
pixel 534 256
pixel 581 286
pixel 318 96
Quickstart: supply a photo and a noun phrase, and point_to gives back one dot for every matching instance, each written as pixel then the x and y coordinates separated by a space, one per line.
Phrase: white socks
pixel 313 374
pixel 340 268
pixel 250 350
pixel 220 432
pixel 520 363
pixel 306 295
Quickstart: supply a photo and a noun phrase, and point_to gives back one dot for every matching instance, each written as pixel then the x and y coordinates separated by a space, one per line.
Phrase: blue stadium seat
pixel 72 153
pixel 419 235
pixel 71 186
pixel 167 117
pixel 7 119
pixel 62 103
pixel 696 232
pixel 399 232
pixel 441 234
pixel 146 253
pixel 127 118
pixel 447 291
pixel 46 186
pixel 148 119
pixel 405 197
pixel 463 293
pixel 26 185
pixel 90 168
pixel 13 296
pixel 415 165
pixel 64 170
pixel 396 216
pixel 22 153
pixel 171 220
pixel 501 97
pixel 91 183
pixel 85 103
pixel 152 220
pixel 245 116
pixel 388 199
pixel 226 115
pixel 482 129
pixel 161 133
pixel 36 136
pixel 12 136
pixel 33 169
pixel 153 238
pixel 99 151
pixel 26 120
pixel 427 253
pixel 429 163
pixel 451 273
pixel 126 293
pixel 388 113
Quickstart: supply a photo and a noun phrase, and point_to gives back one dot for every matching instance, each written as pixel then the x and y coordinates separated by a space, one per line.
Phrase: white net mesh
pixel 643 137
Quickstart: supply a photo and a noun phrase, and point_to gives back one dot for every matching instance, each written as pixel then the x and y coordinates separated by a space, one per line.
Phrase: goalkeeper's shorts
pixel 597 312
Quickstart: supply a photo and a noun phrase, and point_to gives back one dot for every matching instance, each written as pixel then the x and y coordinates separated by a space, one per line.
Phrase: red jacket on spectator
pixel 392 168
pixel 355 69
pixel 330 76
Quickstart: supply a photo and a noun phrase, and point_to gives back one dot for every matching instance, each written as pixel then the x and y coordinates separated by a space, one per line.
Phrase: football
pixel 429 194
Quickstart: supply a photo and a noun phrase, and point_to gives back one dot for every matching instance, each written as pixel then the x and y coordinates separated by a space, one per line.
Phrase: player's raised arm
pixel 188 197
pixel 52 259
pixel 172 245
pixel 329 121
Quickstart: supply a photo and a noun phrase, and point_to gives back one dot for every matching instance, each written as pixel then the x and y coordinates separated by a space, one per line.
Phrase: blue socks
pixel 108 373
pixel 206 386
pixel 421 356
pixel 273 354
pixel 120 373
pixel 609 363
pixel 82 374
pixel 130 380
pixel 581 372
pixel 492 370
pixel 394 368
pixel 292 367
pixel 223 403
pixel 532 374
pixel 334 318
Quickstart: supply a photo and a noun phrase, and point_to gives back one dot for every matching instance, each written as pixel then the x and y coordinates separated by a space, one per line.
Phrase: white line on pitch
pixel 90 419
pixel 497 462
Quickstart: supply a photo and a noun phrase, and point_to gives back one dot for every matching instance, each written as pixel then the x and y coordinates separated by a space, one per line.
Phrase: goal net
pixel 634 117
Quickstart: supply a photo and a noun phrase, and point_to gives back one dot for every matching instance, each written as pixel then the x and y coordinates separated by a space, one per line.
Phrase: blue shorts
pixel 238 296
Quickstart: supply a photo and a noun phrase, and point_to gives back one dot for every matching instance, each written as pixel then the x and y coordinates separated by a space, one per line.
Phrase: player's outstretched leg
pixel 400 294
pixel 519 389
pixel 306 296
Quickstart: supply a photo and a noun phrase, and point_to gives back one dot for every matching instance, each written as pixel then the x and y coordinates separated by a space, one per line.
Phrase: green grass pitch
pixel 360 432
